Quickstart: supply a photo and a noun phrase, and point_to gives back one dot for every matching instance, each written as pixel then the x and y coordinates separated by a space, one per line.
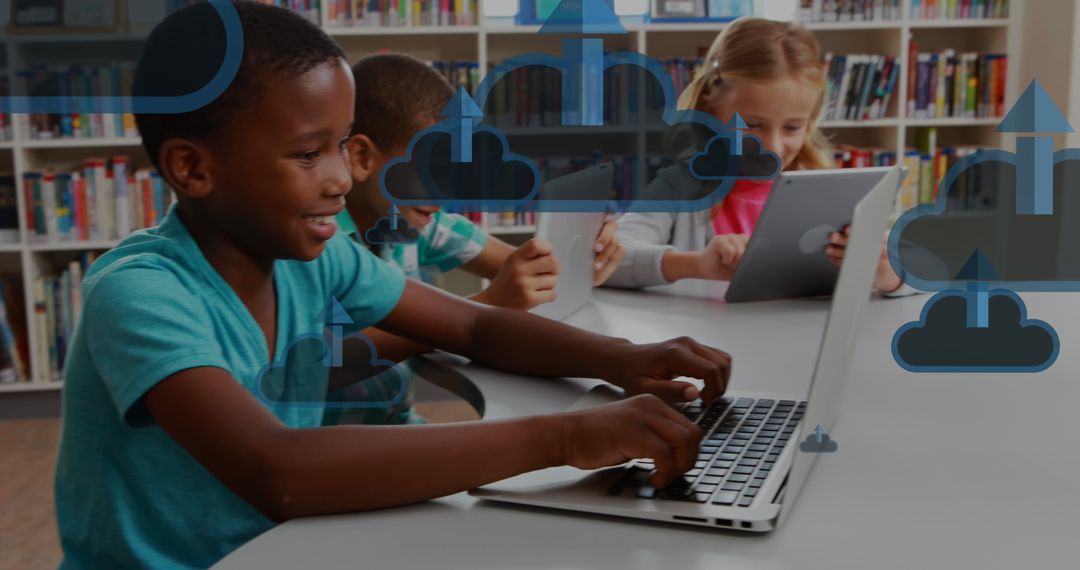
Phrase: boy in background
pixel 397 96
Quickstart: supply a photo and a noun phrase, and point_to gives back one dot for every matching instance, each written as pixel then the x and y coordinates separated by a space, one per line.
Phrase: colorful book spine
pixel 105 200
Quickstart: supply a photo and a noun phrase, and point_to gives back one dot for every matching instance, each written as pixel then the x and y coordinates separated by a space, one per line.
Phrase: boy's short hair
pixel 186 50
pixel 396 94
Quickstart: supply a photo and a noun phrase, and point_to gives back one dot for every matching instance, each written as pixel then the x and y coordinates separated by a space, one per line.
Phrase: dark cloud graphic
pixel 386 232
pixel 976 211
pixel 818 443
pixel 942 341
pixel 717 162
pixel 427 175
pixel 300 379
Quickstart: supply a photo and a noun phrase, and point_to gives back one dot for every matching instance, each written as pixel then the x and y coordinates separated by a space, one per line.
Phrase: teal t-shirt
pixel 127 495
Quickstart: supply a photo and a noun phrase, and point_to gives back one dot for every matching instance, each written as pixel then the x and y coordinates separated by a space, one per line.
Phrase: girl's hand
pixel 609 253
pixel 526 279
pixel 721 257
pixel 650 368
pixel 885 279
pixel 636 428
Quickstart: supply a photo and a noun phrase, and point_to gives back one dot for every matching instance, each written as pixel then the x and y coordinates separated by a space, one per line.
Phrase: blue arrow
pixel 582 17
pixel 976 271
pixel 736 126
pixel 583 76
pixel 818 431
pixel 1035 112
pixel 334 316
pixel 583 82
pixel 394 211
pixel 462 111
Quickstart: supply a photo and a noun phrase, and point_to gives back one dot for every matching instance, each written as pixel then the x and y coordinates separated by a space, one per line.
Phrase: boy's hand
pixel 650 368
pixel 885 279
pixel 526 279
pixel 721 257
pixel 609 253
pixel 636 428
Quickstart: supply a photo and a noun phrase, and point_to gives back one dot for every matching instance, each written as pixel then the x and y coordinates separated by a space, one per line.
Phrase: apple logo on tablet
pixel 815 239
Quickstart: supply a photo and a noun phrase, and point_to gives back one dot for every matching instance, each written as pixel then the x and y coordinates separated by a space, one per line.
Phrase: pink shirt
pixel 741 208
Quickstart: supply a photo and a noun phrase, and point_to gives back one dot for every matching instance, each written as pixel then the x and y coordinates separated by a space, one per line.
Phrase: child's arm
pixel 523 343
pixel 525 277
pixel 287 473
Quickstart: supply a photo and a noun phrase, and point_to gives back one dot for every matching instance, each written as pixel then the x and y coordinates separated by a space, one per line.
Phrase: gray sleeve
pixel 645 237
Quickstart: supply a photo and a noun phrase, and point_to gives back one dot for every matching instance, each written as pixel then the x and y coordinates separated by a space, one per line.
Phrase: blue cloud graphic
pixel 230 65
pixel 299 380
pixel 941 341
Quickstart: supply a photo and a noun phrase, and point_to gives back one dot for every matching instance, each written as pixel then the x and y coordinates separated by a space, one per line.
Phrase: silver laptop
pixel 785 257
pixel 749 469
pixel 572 235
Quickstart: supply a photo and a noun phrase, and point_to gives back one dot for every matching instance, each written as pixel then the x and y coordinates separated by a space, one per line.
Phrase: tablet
pixel 785 257
pixel 572 235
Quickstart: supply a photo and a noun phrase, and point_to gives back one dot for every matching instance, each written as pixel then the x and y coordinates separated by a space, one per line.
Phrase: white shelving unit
pixel 489 42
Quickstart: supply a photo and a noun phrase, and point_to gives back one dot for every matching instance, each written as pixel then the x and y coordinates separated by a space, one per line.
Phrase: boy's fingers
pixel 716 384
pixel 535 247
pixel 543 282
pixel 672 391
pixel 682 441
pixel 605 256
pixel 653 447
pixel 540 265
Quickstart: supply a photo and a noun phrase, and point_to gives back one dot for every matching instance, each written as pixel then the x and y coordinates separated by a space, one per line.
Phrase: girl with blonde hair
pixel 772 74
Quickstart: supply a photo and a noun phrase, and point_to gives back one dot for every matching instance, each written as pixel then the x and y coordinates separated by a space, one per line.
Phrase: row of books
pixel 398 13
pixel 493 220
pixel 956 85
pixel 83 83
pixel 959 9
pixel 307 8
pixel 14 339
pixel 848 10
pixel 459 73
pixel 532 96
pixel 105 200
pixel 859 87
pixel 927 170
pixel 853 157
pixel 697 9
pixel 57 307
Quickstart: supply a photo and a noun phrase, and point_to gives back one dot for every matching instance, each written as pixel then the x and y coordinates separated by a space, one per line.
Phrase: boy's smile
pixel 279 170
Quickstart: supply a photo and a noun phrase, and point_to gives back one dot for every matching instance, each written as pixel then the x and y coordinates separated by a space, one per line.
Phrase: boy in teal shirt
pixel 173 450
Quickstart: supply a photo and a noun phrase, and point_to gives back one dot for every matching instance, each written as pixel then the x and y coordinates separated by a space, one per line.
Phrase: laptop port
pixel 747 524
pixel 724 522
pixel 690 519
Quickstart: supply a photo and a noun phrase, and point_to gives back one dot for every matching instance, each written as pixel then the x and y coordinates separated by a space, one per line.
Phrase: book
pixel 958 85
pixel 105 200
pixel 811 11
pixel 858 87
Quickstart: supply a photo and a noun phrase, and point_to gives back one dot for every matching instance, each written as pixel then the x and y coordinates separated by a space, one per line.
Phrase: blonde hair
pixel 757 49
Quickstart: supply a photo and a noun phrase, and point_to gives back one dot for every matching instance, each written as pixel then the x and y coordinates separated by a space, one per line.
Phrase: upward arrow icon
pixel 1035 112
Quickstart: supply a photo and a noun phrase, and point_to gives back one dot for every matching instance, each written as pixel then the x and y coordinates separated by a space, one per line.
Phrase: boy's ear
pixel 363 157
pixel 185 165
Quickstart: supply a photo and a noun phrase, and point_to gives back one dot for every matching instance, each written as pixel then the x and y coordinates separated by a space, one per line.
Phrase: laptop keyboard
pixel 743 440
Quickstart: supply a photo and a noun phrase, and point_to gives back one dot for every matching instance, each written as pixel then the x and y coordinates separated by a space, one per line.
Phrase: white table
pixel 934 470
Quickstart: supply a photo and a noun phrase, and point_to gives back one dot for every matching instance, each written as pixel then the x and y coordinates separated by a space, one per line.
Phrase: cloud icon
pixel 220 45
pixel 428 174
pixel 942 341
pixel 818 442
pixel 718 162
pixel 385 232
pixel 647 138
pixel 300 379
pixel 976 210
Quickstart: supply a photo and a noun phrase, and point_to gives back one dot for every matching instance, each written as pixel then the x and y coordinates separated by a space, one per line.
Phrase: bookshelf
pixel 490 41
